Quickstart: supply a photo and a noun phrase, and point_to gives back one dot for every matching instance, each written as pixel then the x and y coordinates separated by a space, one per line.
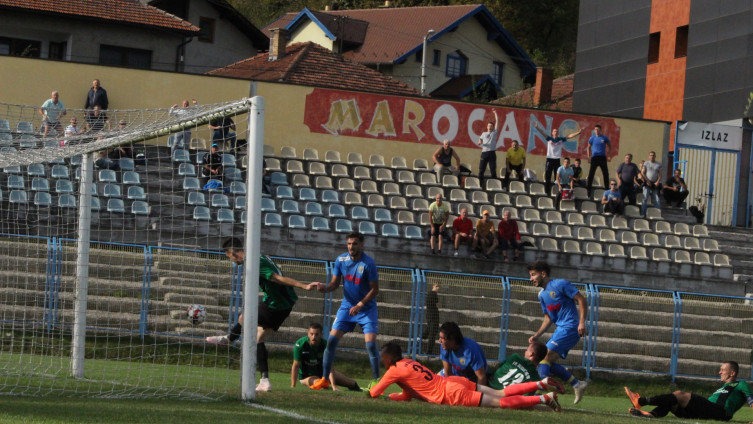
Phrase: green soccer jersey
pixel 732 396
pixel 276 296
pixel 309 358
pixel 515 369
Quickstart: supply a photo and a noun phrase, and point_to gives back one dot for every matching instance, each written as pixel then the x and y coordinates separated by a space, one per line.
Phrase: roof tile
pixel 562 96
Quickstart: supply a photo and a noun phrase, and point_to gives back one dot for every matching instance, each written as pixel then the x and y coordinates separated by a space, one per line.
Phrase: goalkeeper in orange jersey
pixel 420 383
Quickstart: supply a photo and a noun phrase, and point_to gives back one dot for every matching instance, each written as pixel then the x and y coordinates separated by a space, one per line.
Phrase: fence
pixel 632 330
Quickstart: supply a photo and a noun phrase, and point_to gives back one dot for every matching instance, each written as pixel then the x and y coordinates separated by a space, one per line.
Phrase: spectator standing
pixel 439 212
pixel 675 190
pixel 599 148
pixel 443 161
pixel 488 144
pixel 221 127
pixel 651 175
pixel 509 236
pixel 462 230
pixel 485 238
pixel 52 110
pixel 627 178
pixel 181 138
pixel 612 199
pixel 97 96
pixel 211 165
pixel 554 145
pixel 515 160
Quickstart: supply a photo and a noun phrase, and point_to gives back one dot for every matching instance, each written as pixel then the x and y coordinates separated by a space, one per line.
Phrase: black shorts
pixel 436 228
pixel 701 408
pixel 272 318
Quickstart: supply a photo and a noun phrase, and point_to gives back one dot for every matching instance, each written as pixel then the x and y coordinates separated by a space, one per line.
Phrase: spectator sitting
pixel 462 230
pixel 439 212
pixel 509 236
pixel 564 178
pixel 104 162
pixel 96 120
pixel 71 130
pixel 675 190
pixel 485 238
pixel 181 139
pixel 52 110
pixel 627 174
pixel 515 160
pixel 578 173
pixel 221 128
pixel 443 161
pixel 122 151
pixel 211 165
pixel 612 200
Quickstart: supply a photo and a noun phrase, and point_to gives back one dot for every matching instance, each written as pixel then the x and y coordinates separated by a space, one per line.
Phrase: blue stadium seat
pixel 220 201
pixel 66 186
pixel 268 205
pixel 40 184
pixel 200 157
pixel 382 215
pixel 191 183
pixel 390 230
pixel 16 182
pixel 115 205
pixel 313 208
pixel 112 190
pixel 367 228
pixel 272 220
pixel 36 170
pixel 296 221
pixel 284 192
pixel 307 194
pixel 136 193
pixel 15 169
pixel 336 211
pixel 140 207
pixel 107 176
pixel 233 174
pixel 201 213
pixel 344 226
pixel 278 178
pixel 243 217
pixel 186 170
pixel 195 198
pixel 60 171
pixel 6 139
pixel 126 164
pixel 43 199
pixel 225 215
pixel 228 160
pixel 131 177
pixel 330 196
pixel 320 224
pixel 95 205
pixel 180 156
pixel 413 232
pixel 69 201
pixel 359 213
pixel 290 206
pixel 240 203
pixel 18 196
pixel 24 127
pixel 4 126
pixel 238 187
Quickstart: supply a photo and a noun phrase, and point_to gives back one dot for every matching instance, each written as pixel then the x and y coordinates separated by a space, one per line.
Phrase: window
pixel 498 72
pixel 419 56
pixel 437 55
pixel 20 47
pixel 654 41
pixel 57 50
pixel 206 27
pixel 456 64
pixel 681 41
pixel 124 56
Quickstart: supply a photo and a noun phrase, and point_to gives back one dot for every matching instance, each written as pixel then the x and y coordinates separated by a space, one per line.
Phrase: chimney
pixel 277 43
pixel 542 93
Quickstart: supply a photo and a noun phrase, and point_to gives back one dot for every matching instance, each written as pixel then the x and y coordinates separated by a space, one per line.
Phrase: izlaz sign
pixel 428 121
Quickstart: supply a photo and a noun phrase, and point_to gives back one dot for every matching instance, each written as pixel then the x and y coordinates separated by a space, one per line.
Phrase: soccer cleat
pixel 373 383
pixel 320 384
pixel 638 413
pixel 633 398
pixel 550 384
pixel 264 385
pixel 579 389
pixel 218 340
pixel 551 401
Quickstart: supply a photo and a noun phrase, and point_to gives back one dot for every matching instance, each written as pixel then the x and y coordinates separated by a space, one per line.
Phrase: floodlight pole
pixel 423 62
pixel 252 246
pixel 82 266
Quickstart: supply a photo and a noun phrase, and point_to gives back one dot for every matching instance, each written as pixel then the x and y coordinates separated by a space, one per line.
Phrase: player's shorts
pixel 701 408
pixel 563 340
pixel 272 318
pixel 460 391
pixel 346 323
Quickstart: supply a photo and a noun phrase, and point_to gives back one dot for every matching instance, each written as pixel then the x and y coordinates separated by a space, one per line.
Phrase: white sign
pixel 714 136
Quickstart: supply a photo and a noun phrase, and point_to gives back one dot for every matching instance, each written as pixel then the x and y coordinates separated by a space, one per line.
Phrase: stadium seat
pixel 701 258
pixel 638 252
pixel 352 198
pixel 180 156
pixel 332 156
pixel 116 206
pixel 294 167
pixel 663 227
pixel 632 211
pixel 197 143
pixel 284 192
pixel 367 228
pixel 368 186
pixel 472 183
pixel 513 212
pixel 390 230
pixel 330 196
pixel 297 221
pixel 545 203
pixel 494 185
pixel 420 205
pixel 310 154
pixel 420 164
pixel 523 201
pixel 471 210
pixel 16 182
pixel 406 217
pixel 619 223
pixel 200 157
pixel 390 189
pixel 562 231
pixel 126 164
pixel 672 242
pixel 653 214
pixel 288 152
pixel 458 195
pixel 691 243
pixel 68 201
pixel 383 175
pixel 219 200
pixel 607 236
pixel 553 217
pixel 580 193
pixel 346 184
pixel 140 207
pixel 522 228
pixel 375 201
pixel 406 177
pixel 186 170
pixel 354 158
pixel 682 229
pixel 288 206
pixel 191 183
pixel 36 170
pixel 597 221
pixel 721 260
pixel 235 174
pixel 574 218
pixel 322 182
pixel 450 181
pixel 585 233
pixel 398 202
pixel 548 245
pixel 307 194
pixel 567 206
pixel 12 169
pixel 616 251
pixel 228 160
pixel 279 178
pixel 359 213
pixel 502 199
pixel 237 187
pixel 112 190
pixel 661 255
pixel 423 219
pixel 682 257
pixel 377 161
pixel 427 179
pixel 594 249
pixel 336 211
pixel 42 199
pixel 4 126
pixel 343 226
pixel 25 127
pixel 317 168
pixel 710 245
pixel 399 162
pixel 107 176
pixel 320 224
pixel 196 198
pixel 413 232
pixel 301 180
pixel 95 205
pixel 629 237
pixel 700 230
pixel 135 193
pixel 517 187
pixel 477 197
pixel 650 239
pixel 531 215
pixel 540 229
pixel 240 203
pixel 588 207
pixel 571 246
pixel 131 177
pixel 641 226
pixel 537 189
pixel 40 184
pixel 270 219
pixel 313 209
pixel 272 164
pixel 431 192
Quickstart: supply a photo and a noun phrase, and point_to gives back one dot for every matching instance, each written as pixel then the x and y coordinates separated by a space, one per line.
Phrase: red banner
pixel 428 121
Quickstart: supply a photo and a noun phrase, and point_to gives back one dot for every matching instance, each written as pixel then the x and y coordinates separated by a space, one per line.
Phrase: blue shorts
pixel 367 320
pixel 563 340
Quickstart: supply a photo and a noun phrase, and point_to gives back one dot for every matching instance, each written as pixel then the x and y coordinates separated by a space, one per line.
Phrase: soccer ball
pixel 196 314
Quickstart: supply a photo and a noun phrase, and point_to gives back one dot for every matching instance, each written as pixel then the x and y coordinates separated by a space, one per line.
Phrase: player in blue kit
pixel 358 274
pixel 461 356
pixel 558 298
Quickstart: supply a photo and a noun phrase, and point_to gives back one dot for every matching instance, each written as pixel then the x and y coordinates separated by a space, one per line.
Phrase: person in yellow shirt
pixel 485 237
pixel 516 160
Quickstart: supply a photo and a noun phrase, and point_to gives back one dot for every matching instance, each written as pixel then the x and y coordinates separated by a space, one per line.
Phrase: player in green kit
pixel 308 354
pixel 517 369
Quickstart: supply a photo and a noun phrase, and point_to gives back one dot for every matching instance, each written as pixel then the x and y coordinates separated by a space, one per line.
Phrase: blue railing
pixel 418 279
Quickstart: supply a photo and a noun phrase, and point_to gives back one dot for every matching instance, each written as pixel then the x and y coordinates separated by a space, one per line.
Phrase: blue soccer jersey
pixel 598 145
pixel 557 302
pixel 466 359
pixel 356 277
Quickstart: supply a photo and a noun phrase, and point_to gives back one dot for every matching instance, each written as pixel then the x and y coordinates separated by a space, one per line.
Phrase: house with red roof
pixel 171 35
pixel 468 51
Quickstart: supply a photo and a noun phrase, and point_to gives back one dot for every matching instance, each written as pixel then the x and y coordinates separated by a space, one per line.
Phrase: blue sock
pixel 329 355
pixel 563 374
pixel 371 347
pixel 544 369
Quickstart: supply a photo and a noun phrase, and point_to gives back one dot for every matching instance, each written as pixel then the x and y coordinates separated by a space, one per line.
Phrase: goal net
pixel 155 216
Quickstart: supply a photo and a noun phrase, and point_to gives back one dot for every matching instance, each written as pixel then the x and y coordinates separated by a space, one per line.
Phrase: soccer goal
pixel 111 224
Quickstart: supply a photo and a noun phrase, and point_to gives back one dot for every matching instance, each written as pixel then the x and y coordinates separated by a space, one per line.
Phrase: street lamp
pixel 423 63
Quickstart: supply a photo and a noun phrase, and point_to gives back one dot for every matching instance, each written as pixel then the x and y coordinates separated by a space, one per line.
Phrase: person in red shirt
pixel 462 230
pixel 421 383
pixel 509 236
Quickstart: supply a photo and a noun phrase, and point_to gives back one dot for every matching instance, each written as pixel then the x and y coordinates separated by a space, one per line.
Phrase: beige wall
pixel 310 31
